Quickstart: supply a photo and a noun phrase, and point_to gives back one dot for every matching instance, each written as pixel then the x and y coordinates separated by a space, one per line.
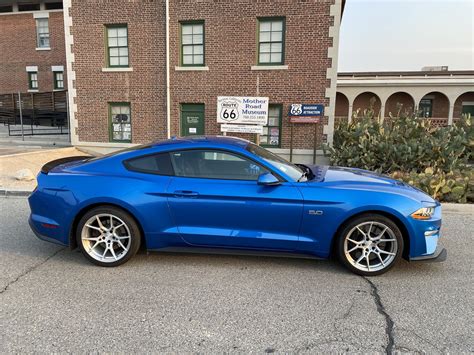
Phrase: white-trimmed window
pixel 192 43
pixel 33 80
pixel 117 45
pixel 271 41
pixel 120 122
pixel 58 80
pixel 42 33
pixel 271 136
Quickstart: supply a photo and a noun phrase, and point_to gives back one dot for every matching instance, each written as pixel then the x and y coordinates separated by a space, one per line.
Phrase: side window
pixel 214 164
pixel 159 164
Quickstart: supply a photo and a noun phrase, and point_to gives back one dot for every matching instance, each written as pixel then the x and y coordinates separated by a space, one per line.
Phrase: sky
pixel 388 35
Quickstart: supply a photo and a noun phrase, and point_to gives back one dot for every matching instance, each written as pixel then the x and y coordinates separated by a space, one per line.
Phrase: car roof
pixel 202 141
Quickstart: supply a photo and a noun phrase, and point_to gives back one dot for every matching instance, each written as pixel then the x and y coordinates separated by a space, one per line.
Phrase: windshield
pixel 279 163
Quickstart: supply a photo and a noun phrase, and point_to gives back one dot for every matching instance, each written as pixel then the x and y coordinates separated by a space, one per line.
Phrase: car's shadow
pixel 170 260
pixel 146 259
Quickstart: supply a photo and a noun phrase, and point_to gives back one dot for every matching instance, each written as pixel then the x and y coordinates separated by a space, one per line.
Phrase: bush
pixel 409 148
pixel 455 186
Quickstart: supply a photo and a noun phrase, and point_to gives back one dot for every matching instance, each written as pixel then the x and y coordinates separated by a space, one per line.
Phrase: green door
pixel 426 108
pixel 192 119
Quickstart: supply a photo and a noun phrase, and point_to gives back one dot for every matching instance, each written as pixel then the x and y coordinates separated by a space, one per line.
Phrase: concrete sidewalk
pixel 49 140
pixel 11 164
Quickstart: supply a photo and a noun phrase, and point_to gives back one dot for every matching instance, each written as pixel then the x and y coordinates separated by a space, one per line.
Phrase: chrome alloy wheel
pixel 370 246
pixel 106 238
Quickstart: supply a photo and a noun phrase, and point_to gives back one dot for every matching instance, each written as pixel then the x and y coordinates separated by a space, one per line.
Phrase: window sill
pixel 56 90
pixel 118 69
pixel 269 67
pixel 33 90
pixel 196 68
pixel 43 48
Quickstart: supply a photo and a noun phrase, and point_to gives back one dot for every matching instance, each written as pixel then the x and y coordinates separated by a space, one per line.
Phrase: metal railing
pixel 44 113
pixel 435 121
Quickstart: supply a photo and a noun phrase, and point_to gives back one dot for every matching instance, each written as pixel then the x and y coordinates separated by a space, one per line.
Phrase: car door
pixel 215 200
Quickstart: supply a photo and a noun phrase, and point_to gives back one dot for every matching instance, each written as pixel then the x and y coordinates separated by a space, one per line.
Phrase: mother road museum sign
pixel 242 110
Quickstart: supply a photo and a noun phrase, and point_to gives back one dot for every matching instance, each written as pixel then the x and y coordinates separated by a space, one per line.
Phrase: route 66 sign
pixel 229 110
pixel 242 110
pixel 304 113
pixel 296 109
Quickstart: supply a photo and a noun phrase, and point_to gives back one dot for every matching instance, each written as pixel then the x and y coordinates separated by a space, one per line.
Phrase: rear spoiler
pixel 48 166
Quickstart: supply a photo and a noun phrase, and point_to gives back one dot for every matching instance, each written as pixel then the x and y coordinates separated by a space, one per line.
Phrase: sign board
pixel 300 113
pixel 239 128
pixel 242 110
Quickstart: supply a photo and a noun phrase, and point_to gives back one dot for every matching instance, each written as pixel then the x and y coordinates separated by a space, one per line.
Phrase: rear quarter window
pixel 159 164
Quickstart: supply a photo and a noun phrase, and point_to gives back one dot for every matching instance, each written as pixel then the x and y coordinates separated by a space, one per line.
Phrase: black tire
pixel 132 243
pixel 363 221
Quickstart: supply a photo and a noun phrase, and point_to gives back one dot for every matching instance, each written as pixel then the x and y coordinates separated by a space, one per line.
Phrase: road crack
pixel 30 269
pixel 374 291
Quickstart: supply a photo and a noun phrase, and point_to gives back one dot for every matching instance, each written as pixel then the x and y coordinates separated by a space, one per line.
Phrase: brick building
pixel 136 77
pixel 32 51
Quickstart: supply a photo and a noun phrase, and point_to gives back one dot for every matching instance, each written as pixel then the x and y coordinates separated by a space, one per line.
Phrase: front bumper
pixel 439 255
pixel 424 238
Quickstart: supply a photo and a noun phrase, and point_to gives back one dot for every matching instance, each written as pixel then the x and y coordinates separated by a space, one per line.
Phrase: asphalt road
pixel 53 300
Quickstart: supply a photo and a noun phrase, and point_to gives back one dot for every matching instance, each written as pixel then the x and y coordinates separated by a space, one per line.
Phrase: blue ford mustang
pixel 222 194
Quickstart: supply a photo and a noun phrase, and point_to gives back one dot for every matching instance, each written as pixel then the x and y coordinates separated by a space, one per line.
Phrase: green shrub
pixel 402 143
pixel 455 186
pixel 408 147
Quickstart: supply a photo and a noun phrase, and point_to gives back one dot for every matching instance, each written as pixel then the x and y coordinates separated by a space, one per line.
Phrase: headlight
pixel 423 213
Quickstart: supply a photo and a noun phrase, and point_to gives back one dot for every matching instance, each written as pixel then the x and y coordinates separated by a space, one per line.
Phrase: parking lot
pixel 53 300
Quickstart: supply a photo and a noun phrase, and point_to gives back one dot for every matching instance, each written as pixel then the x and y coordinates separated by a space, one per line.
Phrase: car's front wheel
pixel 369 245
pixel 108 236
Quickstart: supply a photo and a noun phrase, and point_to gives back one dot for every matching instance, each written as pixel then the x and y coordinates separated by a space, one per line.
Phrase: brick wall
pixel 231 50
pixel 440 105
pixel 466 97
pixel 144 87
pixel 362 102
pixel 18 50
pixel 230 40
pixel 342 105
pixel 399 98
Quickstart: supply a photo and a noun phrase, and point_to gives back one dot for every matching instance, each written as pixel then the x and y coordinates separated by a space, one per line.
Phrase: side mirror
pixel 268 179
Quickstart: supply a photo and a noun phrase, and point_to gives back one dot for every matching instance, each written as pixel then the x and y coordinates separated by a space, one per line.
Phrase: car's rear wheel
pixel 108 236
pixel 370 245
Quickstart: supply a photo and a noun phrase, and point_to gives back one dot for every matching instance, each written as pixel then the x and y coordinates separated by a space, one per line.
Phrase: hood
pixel 336 173
pixel 363 179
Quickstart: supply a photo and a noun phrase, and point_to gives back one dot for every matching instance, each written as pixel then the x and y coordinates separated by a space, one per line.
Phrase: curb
pixel 40 150
pixel 37 142
pixel 15 193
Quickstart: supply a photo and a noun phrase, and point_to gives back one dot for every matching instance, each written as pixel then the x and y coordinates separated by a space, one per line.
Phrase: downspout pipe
pixel 168 94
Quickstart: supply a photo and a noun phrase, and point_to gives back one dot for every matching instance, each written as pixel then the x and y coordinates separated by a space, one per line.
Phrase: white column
pixel 383 101
pixel 451 114
pixel 349 114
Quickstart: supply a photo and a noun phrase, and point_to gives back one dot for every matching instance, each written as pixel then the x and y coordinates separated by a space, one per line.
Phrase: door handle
pixel 185 193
